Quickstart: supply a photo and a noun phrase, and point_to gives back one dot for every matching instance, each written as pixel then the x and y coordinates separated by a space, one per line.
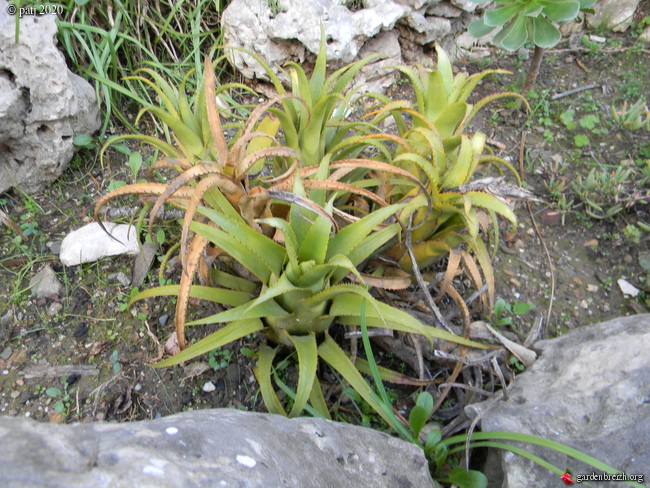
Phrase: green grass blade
pixel 537 441
pixel 379 385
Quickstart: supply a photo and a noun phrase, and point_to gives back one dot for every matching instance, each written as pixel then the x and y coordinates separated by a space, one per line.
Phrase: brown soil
pixel 86 326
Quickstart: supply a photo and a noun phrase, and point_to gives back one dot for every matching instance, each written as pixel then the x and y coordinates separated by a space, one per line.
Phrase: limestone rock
pixel 206 448
pixel 613 14
pixel 46 284
pixel 378 76
pixel 426 29
pixel 589 390
pixel 292 33
pixel 43 105
pixel 90 243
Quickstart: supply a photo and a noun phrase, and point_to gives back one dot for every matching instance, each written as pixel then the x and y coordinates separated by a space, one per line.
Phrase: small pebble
pixel 209 387
pixel 583 304
pixel 627 288
pixel 138 387
pixel 6 353
pixel 54 308
pixel 162 320
pixel 15 394
pixel 592 288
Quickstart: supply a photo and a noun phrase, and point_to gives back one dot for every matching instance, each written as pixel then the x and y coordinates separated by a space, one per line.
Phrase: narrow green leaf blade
pixel 307 363
pixel 231 332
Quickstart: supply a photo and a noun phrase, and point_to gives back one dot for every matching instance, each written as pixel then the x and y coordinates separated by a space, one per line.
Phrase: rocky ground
pixel 79 355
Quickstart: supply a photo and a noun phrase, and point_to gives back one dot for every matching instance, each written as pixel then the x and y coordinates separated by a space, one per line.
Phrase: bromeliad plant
pixel 302 272
pixel 315 121
pixel 286 250
pixel 435 149
pixel 521 21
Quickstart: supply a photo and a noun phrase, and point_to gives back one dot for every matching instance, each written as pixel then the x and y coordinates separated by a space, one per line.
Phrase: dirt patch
pixel 566 139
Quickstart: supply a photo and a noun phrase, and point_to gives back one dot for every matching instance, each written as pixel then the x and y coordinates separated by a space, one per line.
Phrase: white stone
pixel 209 387
pixel 627 288
pixel 91 243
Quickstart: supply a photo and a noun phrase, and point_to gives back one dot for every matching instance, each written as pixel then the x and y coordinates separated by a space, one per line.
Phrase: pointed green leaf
pixel 251 261
pixel 270 251
pixel 263 375
pixel 348 238
pixel 314 246
pixel 230 298
pixel 451 119
pixel 458 173
pixel 307 363
pixel 445 70
pixel 268 308
pixel 317 400
pixel 318 75
pixel 491 202
pixel 348 308
pixel 437 98
pixel 230 333
pixel 333 355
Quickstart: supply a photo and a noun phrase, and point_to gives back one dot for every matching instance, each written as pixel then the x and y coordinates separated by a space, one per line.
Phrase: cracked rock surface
pixel 43 105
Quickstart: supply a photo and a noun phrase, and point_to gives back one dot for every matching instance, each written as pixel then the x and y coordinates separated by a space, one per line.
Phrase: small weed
pixel 63 400
pixel 504 312
pixel 219 358
pixel 516 365
pixel 632 233
pixel 117 366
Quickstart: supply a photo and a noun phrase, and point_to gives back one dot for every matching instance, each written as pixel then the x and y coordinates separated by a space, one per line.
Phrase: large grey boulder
pixel 589 389
pixel 43 105
pixel 206 448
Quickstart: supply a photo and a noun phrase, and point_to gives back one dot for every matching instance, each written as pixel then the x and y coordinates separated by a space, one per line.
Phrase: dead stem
pixel 537 232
